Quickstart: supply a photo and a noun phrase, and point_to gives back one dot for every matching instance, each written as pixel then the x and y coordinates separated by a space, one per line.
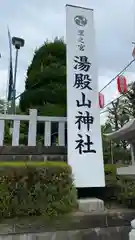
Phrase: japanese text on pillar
pixel 82 81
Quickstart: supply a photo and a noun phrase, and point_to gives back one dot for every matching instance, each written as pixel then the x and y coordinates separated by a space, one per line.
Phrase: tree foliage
pixel 106 143
pixel 45 86
pixel 130 97
pixel 120 112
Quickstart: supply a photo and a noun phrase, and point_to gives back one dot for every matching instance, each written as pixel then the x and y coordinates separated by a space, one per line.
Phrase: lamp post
pixel 18 43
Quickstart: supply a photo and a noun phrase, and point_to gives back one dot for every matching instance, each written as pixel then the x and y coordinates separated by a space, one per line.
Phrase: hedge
pixel 112 189
pixel 122 189
pixel 118 190
pixel 47 189
pixel 33 189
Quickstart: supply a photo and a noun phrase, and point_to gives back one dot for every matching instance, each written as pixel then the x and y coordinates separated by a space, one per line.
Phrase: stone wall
pixel 38 153
pixel 79 226
pixel 113 233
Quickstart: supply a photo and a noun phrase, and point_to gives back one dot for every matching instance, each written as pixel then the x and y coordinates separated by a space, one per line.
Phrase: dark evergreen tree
pixel 45 86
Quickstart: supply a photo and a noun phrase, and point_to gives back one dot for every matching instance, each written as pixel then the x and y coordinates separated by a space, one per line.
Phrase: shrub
pixel 31 189
pixel 110 175
pixel 127 192
pixel 119 188
pixel 111 189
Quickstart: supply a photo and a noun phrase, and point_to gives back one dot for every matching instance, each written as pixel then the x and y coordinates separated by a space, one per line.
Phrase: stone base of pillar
pixel 128 172
pixel 91 205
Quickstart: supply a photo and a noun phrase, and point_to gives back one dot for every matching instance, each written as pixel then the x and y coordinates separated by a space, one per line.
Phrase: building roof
pixel 127 132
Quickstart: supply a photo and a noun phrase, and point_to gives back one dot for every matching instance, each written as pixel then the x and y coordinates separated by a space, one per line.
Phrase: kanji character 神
pixel 84 119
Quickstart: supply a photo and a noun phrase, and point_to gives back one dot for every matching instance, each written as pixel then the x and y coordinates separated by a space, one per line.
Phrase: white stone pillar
pixel 132 153
pixel 132 232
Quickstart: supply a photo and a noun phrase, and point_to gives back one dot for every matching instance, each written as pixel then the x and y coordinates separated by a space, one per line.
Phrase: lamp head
pixel 18 42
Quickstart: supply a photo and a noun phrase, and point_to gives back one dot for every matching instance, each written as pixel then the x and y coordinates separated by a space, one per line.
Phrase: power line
pixel 19 95
pixel 123 70
pixel 105 111
pixel 110 103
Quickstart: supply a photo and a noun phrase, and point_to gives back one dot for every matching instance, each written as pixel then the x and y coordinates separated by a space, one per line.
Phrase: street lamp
pixel 18 43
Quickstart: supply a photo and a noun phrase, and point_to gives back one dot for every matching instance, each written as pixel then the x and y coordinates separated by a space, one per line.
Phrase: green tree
pixel 45 86
pixel 107 147
pixel 118 115
pixel 113 152
pixel 130 98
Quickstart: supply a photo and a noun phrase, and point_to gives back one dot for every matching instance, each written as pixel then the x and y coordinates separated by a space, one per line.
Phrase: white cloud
pixel 36 21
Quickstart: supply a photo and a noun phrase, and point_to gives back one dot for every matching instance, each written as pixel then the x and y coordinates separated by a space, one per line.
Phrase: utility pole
pixel 14 84
pixel 18 43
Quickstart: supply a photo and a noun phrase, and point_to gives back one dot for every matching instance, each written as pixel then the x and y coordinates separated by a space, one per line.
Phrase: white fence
pixel 33 119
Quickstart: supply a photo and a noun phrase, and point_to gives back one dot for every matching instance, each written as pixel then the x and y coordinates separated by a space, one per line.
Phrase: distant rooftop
pixel 127 132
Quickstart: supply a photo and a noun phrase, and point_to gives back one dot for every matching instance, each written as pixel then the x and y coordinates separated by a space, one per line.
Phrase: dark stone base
pixel 109 225
pixel 38 150
pixel 36 158
pixel 38 153
pixel 120 233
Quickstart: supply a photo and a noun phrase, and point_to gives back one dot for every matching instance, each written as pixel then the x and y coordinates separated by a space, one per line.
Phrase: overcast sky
pixel 37 21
